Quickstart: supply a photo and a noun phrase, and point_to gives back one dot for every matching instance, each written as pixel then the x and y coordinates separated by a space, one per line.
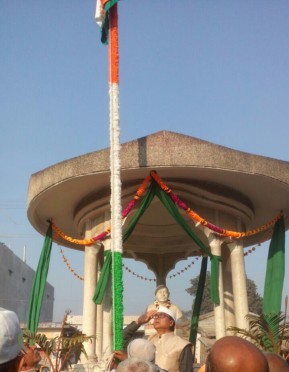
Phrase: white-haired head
pixel 142 349
pixel 136 365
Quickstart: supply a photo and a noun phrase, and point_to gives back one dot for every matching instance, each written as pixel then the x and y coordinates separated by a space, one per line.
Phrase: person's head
pixel 142 349
pixel 164 320
pixel 162 294
pixel 135 365
pixel 234 354
pixel 10 333
pixel 276 363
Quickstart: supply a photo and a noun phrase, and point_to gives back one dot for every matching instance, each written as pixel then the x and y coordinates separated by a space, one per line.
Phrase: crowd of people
pixel 163 351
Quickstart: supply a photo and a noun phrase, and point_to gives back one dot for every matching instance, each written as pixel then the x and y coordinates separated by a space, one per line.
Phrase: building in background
pixel 16 279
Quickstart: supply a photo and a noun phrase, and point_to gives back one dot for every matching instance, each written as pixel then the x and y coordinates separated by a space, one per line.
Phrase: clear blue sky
pixel 215 70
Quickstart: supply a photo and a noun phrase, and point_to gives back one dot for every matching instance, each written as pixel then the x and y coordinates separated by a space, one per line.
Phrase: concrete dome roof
pixel 213 180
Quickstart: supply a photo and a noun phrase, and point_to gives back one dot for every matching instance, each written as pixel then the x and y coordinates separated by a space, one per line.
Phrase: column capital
pixel 234 244
pixel 214 239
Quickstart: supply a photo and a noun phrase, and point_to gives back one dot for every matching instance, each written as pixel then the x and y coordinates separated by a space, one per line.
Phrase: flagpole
pixel 115 181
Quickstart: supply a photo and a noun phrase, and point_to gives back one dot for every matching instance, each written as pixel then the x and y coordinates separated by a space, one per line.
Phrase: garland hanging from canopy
pixel 193 215
pixel 171 276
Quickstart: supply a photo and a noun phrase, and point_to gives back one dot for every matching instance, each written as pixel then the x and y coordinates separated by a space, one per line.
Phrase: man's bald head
pixel 234 354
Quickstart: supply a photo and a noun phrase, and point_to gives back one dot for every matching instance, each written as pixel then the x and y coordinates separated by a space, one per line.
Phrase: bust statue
pixel 162 295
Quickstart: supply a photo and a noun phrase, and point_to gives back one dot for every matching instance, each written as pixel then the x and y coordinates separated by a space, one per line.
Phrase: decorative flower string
pixel 69 267
pixel 167 305
pixel 253 249
pixel 90 241
pixel 184 269
pixel 170 276
pixel 180 272
pixel 137 275
pixel 193 215
pixel 203 222
pixel 104 234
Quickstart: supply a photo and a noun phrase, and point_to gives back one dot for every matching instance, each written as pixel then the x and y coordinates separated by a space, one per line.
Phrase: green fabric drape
pixel 153 190
pixel 174 212
pixel 197 304
pixel 144 204
pixel 214 286
pixel 275 271
pixel 106 269
pixel 171 207
pixel 103 279
pixel 39 283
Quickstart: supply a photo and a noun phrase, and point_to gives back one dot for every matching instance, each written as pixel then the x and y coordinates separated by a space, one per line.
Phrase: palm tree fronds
pixel 266 331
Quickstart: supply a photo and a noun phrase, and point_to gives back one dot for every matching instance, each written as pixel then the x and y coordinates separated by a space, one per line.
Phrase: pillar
pixel 215 245
pixel 229 309
pixel 90 280
pixel 161 272
pixel 239 284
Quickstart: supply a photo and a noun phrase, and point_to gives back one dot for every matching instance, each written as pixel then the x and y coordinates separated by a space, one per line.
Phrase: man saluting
pixel 173 353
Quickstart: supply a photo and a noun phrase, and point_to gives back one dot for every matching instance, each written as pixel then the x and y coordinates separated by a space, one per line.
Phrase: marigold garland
pixel 168 304
pixel 180 272
pixel 253 249
pixel 203 222
pixel 137 275
pixel 193 215
pixel 106 233
pixel 65 260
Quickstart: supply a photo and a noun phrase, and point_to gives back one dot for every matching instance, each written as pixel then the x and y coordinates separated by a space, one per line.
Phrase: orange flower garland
pixel 211 226
pixel 69 239
pixel 69 267
pixel 171 276
pixel 103 235
pixel 193 215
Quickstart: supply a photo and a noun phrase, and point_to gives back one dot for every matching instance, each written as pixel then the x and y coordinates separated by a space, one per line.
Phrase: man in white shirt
pixel 173 353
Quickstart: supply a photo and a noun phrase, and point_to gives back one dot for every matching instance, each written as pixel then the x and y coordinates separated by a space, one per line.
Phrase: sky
pixel 214 70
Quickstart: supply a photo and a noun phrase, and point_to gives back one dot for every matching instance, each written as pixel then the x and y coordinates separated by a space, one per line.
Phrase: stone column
pixel 90 279
pixel 228 289
pixel 239 284
pixel 215 245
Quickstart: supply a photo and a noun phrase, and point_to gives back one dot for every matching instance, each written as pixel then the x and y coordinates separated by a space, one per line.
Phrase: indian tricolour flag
pixel 102 18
